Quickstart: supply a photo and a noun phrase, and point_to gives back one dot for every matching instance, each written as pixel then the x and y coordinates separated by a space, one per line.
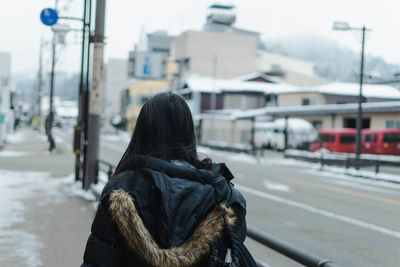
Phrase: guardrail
pixel 109 170
pixel 279 246
pixel 344 159
pixel 288 250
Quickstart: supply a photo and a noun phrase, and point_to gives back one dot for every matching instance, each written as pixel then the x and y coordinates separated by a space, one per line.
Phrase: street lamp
pixel 344 26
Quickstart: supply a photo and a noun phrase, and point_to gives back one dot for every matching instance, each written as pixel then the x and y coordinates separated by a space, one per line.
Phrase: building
pixel 242 100
pixel 149 58
pixel 224 51
pixel 220 54
pixel 138 94
pixel 116 80
pixel 152 70
pixel 7 114
pixel 220 49
pixel 231 94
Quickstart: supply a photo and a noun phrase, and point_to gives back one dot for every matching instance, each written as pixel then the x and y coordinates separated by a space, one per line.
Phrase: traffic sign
pixel 49 16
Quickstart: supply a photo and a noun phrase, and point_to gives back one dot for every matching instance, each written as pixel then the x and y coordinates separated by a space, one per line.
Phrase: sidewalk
pixel 42 221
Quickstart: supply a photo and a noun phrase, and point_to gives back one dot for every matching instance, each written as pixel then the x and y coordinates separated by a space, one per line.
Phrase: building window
pixel 352 123
pixel 393 124
pixel 188 96
pixel 305 102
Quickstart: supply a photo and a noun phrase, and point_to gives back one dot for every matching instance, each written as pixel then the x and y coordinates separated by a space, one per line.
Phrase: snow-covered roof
pixel 256 75
pixel 374 107
pixel 353 89
pixel 210 85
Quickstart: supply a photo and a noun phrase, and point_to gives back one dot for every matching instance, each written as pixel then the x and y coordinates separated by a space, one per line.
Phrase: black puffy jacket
pixel 163 214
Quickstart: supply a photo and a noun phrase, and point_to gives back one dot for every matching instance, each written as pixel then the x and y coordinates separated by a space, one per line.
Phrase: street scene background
pixel 301 100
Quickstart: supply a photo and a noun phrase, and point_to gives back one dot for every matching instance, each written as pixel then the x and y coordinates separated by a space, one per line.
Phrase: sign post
pixel 48 16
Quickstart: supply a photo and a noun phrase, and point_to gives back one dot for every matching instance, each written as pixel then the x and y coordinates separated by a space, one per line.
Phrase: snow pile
pixel 17 137
pixel 98 188
pixel 244 158
pixel 19 190
pixel 228 145
pixel 13 154
pixel 326 154
pixel 15 188
pixel 339 170
pixel 117 137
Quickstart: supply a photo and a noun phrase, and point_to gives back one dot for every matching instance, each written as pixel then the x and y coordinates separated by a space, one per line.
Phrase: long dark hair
pixel 165 130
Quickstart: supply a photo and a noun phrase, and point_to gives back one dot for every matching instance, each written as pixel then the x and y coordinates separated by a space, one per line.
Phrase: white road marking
pixel 276 186
pixel 318 211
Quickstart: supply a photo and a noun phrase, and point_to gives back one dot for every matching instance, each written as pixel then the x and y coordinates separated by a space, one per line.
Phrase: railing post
pixel 377 167
pixel 347 163
pixel 109 172
pixel 96 172
pixel 322 161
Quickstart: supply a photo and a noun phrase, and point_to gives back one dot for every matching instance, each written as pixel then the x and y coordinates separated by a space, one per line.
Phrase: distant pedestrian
pixel 164 206
pixel 48 125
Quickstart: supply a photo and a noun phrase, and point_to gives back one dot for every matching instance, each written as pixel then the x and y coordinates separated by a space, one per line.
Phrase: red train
pixel 336 140
pixel 383 142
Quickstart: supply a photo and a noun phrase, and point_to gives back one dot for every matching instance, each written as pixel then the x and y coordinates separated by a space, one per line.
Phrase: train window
pixel 375 138
pixel 368 138
pixel 347 139
pixel 391 138
pixel 333 137
pixel 324 138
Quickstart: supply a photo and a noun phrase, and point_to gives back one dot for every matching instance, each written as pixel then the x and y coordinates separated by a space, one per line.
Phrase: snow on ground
pixel 231 156
pixel 329 155
pixel 15 188
pixel 276 186
pixel 117 137
pixel 18 189
pixel 13 154
pixel 350 173
pixel 333 170
pixel 17 137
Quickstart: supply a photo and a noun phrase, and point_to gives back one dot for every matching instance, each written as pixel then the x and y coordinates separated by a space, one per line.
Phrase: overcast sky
pixel 21 29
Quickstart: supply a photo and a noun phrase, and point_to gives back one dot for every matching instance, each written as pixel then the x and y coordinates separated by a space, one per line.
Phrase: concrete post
pixel 95 98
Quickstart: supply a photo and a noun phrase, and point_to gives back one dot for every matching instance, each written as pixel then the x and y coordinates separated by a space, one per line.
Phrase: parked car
pixel 336 140
pixel 382 142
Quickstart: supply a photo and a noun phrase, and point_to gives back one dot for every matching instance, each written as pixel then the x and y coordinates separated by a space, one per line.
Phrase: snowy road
pixel 353 221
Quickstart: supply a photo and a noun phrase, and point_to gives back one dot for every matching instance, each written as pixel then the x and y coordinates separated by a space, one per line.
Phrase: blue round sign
pixel 49 16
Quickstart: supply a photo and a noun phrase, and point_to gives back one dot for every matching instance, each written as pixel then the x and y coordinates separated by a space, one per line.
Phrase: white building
pixel 116 81
pixel 6 112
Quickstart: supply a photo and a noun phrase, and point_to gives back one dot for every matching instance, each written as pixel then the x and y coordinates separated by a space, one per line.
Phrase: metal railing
pixel 279 246
pixel 109 168
pixel 346 160
pixel 288 250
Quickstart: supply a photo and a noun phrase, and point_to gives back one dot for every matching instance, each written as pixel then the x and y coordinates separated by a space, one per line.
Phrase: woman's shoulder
pixel 123 180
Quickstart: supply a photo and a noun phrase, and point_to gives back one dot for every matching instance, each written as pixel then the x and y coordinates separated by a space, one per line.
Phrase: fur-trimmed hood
pixel 140 241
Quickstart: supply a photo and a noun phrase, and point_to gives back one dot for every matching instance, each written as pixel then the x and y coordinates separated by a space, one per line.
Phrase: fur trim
pixel 141 242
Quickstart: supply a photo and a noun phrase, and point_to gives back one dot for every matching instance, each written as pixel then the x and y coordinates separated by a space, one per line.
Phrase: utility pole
pixel 344 26
pixel 80 123
pixel 40 84
pixel 213 97
pixel 50 116
pixel 360 100
pixel 95 98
